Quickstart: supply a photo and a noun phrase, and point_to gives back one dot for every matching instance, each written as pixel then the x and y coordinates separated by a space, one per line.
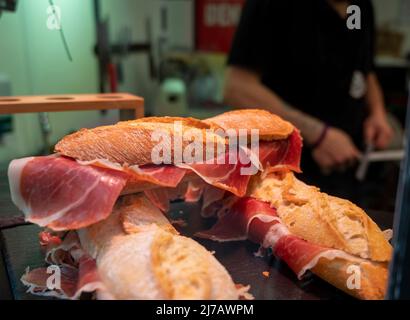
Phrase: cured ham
pixel 64 194
pixel 255 220
pixel 143 177
pixel 161 197
pixel 222 174
pixel 273 156
pixel 67 278
pixel 236 224
pixel 160 175
pixel 194 190
pixel 282 154
pixel 60 193
pixel 213 200
pixel 48 239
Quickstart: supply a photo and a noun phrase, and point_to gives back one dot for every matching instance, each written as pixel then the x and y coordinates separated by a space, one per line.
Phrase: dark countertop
pixel 20 249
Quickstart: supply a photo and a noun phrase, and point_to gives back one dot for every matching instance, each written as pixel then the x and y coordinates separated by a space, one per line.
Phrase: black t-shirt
pixel 307 55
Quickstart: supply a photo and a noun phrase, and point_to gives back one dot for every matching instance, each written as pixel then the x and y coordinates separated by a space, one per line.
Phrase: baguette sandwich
pixel 79 184
pixel 96 172
pixel 133 254
pixel 308 229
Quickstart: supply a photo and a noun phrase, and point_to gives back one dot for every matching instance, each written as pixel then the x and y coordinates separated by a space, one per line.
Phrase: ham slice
pixel 211 200
pixel 36 281
pixel 222 174
pixel 194 190
pixel 255 220
pixel 215 201
pixel 75 275
pixel 60 193
pixel 143 177
pixel 281 155
pixel 160 175
pixel 235 225
pixel 159 198
pixel 60 252
pixel 48 239
pixel 273 156
pixel 63 194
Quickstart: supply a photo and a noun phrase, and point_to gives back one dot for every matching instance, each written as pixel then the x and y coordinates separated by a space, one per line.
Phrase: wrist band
pixel 320 139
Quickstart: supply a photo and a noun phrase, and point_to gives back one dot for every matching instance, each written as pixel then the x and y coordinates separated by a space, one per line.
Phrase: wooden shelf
pixel 72 102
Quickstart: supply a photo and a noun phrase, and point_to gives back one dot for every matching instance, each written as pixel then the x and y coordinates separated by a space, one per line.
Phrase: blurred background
pixel 170 52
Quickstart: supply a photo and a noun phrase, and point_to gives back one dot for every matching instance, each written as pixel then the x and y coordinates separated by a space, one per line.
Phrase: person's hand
pixel 377 130
pixel 336 150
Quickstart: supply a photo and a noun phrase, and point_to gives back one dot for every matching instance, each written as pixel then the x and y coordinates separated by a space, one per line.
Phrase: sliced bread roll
pixel 150 262
pixel 334 223
pixel 132 142
pixel 322 219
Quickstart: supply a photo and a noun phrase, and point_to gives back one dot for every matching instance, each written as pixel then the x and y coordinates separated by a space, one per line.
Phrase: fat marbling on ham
pixel 60 193
pixel 63 194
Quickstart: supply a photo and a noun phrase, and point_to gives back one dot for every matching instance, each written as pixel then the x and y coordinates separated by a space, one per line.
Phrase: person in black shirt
pixel 300 60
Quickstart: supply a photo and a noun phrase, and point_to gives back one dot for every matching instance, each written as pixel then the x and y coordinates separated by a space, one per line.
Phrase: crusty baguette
pixel 136 213
pixel 335 223
pixel 367 282
pixel 270 126
pixel 322 219
pixel 131 143
pixel 150 262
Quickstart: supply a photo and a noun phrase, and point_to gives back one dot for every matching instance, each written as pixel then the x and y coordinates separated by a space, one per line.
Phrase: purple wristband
pixel 320 139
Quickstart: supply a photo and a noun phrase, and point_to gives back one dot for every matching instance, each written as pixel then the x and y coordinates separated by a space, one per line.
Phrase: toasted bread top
pixel 186 121
pixel 270 126
pixel 132 142
pixel 322 219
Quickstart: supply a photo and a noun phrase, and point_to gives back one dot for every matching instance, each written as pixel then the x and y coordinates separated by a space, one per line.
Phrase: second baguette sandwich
pixel 134 254
pixel 310 230
pixel 78 186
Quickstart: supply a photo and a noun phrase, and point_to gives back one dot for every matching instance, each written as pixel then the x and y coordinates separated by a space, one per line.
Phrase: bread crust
pixel 322 219
pixel 270 126
pixel 131 142
pixel 334 223
pixel 186 121
pixel 370 283
pixel 140 256
pixel 180 268
pixel 136 213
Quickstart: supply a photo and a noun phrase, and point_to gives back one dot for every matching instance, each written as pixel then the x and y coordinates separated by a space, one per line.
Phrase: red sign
pixel 216 22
